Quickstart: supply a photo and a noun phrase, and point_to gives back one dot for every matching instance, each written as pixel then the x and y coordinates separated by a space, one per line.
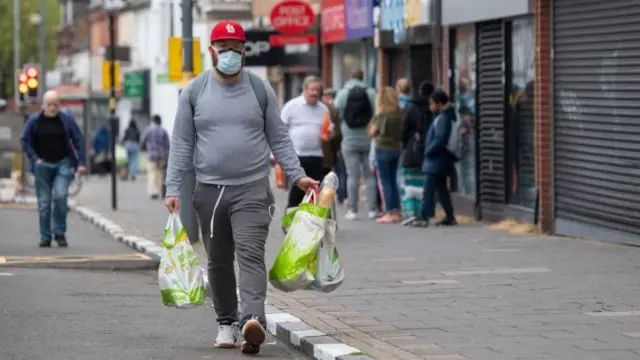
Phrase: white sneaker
pixel 227 336
pixel 351 215
pixel 373 215
pixel 253 335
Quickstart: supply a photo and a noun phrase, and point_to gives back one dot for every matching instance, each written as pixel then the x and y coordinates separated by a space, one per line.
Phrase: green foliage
pixel 29 37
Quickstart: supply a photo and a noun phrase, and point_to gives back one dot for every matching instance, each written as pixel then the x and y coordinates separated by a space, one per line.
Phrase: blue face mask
pixel 229 62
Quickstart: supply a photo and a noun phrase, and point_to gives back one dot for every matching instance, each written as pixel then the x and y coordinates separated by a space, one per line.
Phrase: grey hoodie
pixel 227 139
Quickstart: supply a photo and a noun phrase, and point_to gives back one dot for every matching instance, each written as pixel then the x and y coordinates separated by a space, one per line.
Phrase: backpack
pixel 454 144
pixel 358 112
pixel 259 89
pixel 414 152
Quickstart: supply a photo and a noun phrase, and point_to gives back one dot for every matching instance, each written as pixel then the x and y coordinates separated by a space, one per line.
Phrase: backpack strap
pixel 196 89
pixel 260 90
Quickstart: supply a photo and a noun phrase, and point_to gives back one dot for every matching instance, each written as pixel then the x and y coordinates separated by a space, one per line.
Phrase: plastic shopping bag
pixel 295 265
pixel 329 272
pixel 308 258
pixel 180 276
pixel 121 155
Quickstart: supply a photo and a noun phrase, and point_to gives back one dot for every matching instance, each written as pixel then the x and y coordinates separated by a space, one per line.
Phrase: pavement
pixel 466 292
pixel 96 300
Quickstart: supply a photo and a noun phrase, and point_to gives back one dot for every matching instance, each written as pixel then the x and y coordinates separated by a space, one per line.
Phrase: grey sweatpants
pixel 235 221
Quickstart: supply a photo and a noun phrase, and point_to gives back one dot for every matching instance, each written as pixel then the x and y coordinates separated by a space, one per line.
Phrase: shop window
pixel 520 123
pixel 464 93
pixel 350 58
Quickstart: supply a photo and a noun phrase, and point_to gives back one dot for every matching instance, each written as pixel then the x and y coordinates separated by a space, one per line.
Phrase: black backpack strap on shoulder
pixel 260 90
pixel 196 89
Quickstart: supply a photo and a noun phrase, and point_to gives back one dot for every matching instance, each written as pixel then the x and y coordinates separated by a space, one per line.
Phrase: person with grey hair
pixel 304 116
pixel 54 145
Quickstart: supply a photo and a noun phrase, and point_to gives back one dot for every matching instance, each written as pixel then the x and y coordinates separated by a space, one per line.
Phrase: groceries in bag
pixel 180 276
pixel 308 258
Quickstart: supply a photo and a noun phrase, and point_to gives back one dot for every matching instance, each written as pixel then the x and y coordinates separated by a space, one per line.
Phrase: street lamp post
pixel 112 6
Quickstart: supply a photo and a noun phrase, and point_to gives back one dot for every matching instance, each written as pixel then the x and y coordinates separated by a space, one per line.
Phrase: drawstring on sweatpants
pixel 215 207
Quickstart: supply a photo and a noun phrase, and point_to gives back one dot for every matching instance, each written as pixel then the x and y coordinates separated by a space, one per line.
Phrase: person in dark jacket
pixel 417 118
pixel 131 142
pixel 54 145
pixel 438 161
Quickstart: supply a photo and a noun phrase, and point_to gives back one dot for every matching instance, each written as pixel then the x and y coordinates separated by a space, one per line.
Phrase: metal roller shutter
pixel 596 66
pixel 491 107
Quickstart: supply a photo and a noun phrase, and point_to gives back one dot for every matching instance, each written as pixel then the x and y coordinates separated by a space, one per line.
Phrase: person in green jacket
pixel 386 129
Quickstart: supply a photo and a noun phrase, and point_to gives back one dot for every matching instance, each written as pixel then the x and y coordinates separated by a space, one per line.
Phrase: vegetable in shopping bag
pixel 180 276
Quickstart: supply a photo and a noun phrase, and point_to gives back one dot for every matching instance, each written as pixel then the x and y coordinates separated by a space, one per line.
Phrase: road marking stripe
pixel 5 274
pixel 431 282
pixel 73 258
pixel 613 313
pixel 495 271
pixel 501 250
pixel 633 335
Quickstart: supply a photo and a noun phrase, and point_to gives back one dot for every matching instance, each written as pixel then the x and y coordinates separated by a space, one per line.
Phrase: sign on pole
pixel 133 84
pixel 106 75
pixel 175 59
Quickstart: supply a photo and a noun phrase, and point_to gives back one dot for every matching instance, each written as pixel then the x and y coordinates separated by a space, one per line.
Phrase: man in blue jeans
pixel 55 146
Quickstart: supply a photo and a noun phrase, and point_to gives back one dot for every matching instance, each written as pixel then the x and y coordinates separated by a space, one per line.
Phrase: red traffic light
pixel 22 77
pixel 32 72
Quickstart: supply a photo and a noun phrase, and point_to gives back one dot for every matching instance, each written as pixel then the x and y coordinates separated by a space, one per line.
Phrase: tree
pixel 29 38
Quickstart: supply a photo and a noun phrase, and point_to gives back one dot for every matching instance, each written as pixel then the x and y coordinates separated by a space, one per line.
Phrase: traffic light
pixel 33 81
pixel 23 88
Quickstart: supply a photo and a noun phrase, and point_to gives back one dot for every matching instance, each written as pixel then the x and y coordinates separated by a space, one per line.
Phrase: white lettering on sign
pixel 255 48
pixel 358 17
pixel 288 16
pixel 333 18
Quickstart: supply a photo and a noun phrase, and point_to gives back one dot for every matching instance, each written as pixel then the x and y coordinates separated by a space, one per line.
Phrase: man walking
pixel 304 116
pixel 356 102
pixel 227 120
pixel 55 147
pixel 155 141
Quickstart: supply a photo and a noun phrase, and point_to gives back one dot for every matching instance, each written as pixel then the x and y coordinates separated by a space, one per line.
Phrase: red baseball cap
pixel 228 30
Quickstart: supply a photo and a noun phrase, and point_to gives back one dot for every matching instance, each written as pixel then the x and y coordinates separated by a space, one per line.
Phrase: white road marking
pixel 431 282
pixel 501 250
pixel 495 271
pixel 6 274
pixel 613 313
pixel 633 335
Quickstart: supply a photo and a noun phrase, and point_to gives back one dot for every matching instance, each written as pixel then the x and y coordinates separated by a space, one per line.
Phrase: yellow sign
pixel 106 75
pixel 176 58
pixel 412 13
pixel 197 58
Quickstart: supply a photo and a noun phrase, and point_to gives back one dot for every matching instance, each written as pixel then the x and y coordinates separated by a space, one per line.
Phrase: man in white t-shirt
pixel 303 116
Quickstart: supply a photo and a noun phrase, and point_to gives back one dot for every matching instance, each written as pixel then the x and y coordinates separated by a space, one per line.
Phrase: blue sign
pixel 392 15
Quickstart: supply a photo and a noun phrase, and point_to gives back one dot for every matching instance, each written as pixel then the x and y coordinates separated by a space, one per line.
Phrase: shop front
pixel 347 39
pixel 595 112
pixel 408 39
pixel 491 55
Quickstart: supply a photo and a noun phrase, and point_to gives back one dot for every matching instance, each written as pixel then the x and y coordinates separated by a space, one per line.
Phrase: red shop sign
pixel 292 17
pixel 332 26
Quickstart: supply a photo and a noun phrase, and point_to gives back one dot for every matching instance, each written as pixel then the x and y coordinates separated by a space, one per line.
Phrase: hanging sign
pixel 292 17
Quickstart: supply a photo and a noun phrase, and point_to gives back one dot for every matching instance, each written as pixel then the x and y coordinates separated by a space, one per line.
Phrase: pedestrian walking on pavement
pixel 438 161
pixel 304 116
pixel 155 141
pixel 131 142
pixel 356 102
pixel 332 155
pixel 54 145
pixel 416 121
pixel 227 120
pixel 386 130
